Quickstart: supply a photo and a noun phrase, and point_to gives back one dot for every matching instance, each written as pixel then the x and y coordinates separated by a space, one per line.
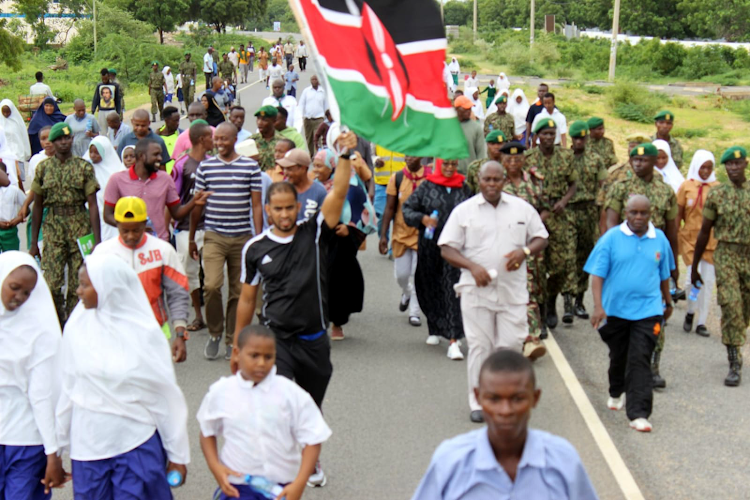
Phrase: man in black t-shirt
pixel 534 110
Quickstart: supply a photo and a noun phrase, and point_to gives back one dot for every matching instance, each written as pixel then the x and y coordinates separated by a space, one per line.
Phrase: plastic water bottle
pixel 89 125
pixel 174 478
pixel 695 291
pixel 429 233
pixel 267 488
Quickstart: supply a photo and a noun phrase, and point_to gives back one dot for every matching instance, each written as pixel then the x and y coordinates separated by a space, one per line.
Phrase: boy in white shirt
pixel 11 201
pixel 271 427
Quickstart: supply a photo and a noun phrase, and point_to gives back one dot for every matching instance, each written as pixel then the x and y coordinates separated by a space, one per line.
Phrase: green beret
pixel 645 149
pixel 154 63
pixel 58 130
pixel 513 148
pixel 199 121
pixel 594 122
pixel 544 125
pixel 267 110
pixel 187 54
pixel 112 71
pixel 578 128
pixel 733 153
pixel 502 98
pixel 664 115
pixel 495 136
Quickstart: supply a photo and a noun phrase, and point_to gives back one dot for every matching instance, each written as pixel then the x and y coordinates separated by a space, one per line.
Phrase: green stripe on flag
pixel 414 133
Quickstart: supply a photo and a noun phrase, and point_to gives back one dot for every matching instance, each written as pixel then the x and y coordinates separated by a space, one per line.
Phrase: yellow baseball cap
pixel 130 209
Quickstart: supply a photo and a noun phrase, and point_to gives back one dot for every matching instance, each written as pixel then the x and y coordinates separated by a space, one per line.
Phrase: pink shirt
pixel 183 143
pixel 158 191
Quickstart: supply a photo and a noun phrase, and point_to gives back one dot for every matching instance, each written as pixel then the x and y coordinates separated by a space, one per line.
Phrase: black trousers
pixel 306 362
pixel 631 344
pixel 209 77
pixel 302 63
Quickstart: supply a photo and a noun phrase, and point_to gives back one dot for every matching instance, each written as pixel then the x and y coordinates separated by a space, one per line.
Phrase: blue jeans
pixel 379 205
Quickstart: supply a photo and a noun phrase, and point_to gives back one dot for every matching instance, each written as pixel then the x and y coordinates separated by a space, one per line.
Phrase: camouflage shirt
pixel 591 171
pixel 676 148
pixel 729 206
pixel 557 171
pixel 614 174
pixel 266 148
pixel 156 80
pixel 188 70
pixel 65 184
pixel 605 148
pixel 661 195
pixel 226 69
pixel 529 189
pixel 472 174
pixel 503 123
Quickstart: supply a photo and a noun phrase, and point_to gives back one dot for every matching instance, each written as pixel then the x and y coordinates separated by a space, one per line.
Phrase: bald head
pixel 493 166
pixel 196 111
pixel 638 213
pixel 140 114
pixel 227 129
pixel 491 181
pixel 638 200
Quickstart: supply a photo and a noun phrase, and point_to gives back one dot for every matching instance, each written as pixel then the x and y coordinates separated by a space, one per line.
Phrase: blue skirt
pixel 180 98
pixel 21 470
pixel 136 475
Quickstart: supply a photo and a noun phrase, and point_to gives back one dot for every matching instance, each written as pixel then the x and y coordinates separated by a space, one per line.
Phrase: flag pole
pixel 613 49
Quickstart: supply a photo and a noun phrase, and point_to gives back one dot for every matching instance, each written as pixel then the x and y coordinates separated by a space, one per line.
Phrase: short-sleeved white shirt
pixel 558 118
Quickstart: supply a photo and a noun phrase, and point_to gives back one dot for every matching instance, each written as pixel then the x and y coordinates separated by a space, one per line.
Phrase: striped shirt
pixel 228 209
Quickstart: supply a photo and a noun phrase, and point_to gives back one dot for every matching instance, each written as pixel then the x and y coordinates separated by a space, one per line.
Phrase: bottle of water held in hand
pixel 695 291
pixel 267 488
pixel 429 233
pixel 174 478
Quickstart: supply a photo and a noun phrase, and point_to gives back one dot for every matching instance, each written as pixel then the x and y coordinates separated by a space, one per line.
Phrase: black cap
pixel 513 148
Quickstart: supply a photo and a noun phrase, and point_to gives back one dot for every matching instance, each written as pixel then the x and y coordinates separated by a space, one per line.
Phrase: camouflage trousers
pixel 560 255
pixel 536 282
pixel 157 101
pixel 61 233
pixel 733 291
pixel 188 93
pixel 586 215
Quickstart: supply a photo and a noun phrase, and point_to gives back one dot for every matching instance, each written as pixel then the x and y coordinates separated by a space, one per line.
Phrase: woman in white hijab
pixel 8 156
pixel 473 94
pixel 15 130
pixel 502 82
pixel 518 108
pixel 104 158
pixel 666 166
pixel 30 337
pixel 121 414
pixel 455 70
pixel 169 82
pixel 690 201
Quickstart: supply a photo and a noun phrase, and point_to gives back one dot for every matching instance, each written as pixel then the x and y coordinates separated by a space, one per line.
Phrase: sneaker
pixel 454 352
pixel 228 353
pixel 641 425
pixel 415 321
pixel 534 351
pixel 211 351
pixel 702 331
pixel 318 478
pixel 616 404
pixel 432 340
pixel 337 333
pixel 404 304
pixel 687 325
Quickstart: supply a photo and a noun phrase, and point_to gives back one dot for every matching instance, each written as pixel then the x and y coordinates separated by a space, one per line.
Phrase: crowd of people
pixel 133 228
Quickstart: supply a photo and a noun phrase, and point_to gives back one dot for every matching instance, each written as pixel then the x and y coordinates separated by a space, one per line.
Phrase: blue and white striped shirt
pixel 228 209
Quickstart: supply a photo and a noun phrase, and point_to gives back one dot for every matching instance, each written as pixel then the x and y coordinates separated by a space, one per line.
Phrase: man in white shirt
pixel 472 81
pixel 208 66
pixel 40 88
pixel 276 70
pixel 551 111
pixel 489 237
pixel 302 56
pixel 278 99
pixel 314 105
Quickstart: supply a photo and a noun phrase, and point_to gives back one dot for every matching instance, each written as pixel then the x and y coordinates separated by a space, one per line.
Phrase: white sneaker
pixel 534 351
pixel 318 478
pixel 616 404
pixel 454 352
pixel 641 425
pixel 432 340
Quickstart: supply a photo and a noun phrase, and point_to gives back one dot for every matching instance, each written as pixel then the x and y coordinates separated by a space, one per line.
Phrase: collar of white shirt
pixel 533 452
pixel 264 385
pixel 481 200
pixel 650 233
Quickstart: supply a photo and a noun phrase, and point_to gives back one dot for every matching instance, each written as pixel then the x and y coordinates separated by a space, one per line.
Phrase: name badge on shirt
pixel 658 256
pixel 690 202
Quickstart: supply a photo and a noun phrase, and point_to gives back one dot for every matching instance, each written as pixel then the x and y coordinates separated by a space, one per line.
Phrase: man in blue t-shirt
pixel 310 195
pixel 630 267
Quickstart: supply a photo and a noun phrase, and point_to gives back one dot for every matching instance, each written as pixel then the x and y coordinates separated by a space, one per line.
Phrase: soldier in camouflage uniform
pixel 63 184
pixel 266 137
pixel 555 165
pixel 603 146
pixel 591 172
pixel 527 185
pixel 663 214
pixel 725 211
pixel 226 69
pixel 664 123
pixel 156 85
pixel 494 140
pixel 188 70
pixel 500 120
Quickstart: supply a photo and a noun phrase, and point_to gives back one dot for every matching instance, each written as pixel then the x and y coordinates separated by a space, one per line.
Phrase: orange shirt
pixel 687 199
pixel 263 60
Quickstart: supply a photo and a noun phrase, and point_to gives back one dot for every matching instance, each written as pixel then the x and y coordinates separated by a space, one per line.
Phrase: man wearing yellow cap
pixel 158 267
pixel 63 184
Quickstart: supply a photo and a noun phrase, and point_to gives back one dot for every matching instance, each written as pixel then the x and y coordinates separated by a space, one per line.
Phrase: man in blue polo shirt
pixel 630 267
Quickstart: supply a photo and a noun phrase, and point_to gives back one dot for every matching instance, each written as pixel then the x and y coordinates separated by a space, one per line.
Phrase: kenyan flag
pixel 383 62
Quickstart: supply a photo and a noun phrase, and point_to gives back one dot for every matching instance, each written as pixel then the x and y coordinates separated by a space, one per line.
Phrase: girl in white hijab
pixel 121 414
pixel 666 166
pixel 455 69
pixel 169 82
pixel 8 156
pixel 104 158
pixel 30 337
pixel 15 130
pixel 502 82
pixel 518 108
pixel 690 201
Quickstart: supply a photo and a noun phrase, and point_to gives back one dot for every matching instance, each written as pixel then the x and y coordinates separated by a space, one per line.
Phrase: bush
pixel 632 102
pixel 640 113
pixel 704 61
pixel 690 133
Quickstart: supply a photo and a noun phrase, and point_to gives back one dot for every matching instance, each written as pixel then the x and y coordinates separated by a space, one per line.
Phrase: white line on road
pixel 602 438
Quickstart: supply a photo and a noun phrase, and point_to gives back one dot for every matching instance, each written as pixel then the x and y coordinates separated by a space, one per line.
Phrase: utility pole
pixel 442 15
pixel 531 42
pixel 613 49
pixel 475 19
pixel 94 26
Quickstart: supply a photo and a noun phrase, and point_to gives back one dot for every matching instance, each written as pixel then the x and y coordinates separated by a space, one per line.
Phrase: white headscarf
pixel 115 360
pixel 103 170
pixel 15 131
pixel 502 82
pixel 122 153
pixel 518 110
pixel 168 79
pixel 454 67
pixel 8 157
pixel 699 158
pixel 493 106
pixel 670 172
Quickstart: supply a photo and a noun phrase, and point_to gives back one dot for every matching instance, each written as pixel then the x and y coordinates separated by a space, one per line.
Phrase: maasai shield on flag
pixel 383 62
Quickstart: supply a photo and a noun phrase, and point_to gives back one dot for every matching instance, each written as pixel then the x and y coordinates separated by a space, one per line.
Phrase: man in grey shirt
pixel 472 131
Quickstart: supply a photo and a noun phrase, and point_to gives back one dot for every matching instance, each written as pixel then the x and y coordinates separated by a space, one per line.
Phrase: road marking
pixel 248 86
pixel 616 464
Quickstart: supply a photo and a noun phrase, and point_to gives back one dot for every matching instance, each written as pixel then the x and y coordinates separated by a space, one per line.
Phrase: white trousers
pixel 404 268
pixel 192 267
pixel 488 330
pixel 703 304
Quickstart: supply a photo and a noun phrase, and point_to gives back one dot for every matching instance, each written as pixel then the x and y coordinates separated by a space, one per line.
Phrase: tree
pixel 11 47
pixel 34 11
pixel 457 13
pixel 222 13
pixel 717 19
pixel 164 16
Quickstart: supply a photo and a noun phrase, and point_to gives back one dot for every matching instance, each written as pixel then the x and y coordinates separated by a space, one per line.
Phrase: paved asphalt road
pixel 393 399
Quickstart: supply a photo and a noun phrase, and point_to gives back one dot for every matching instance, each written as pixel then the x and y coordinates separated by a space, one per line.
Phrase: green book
pixel 86 244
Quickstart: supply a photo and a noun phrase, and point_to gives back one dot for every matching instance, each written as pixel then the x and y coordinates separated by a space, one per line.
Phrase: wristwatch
pixel 527 251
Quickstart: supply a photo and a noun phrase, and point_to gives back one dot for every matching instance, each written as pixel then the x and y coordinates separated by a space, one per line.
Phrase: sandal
pixel 197 324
